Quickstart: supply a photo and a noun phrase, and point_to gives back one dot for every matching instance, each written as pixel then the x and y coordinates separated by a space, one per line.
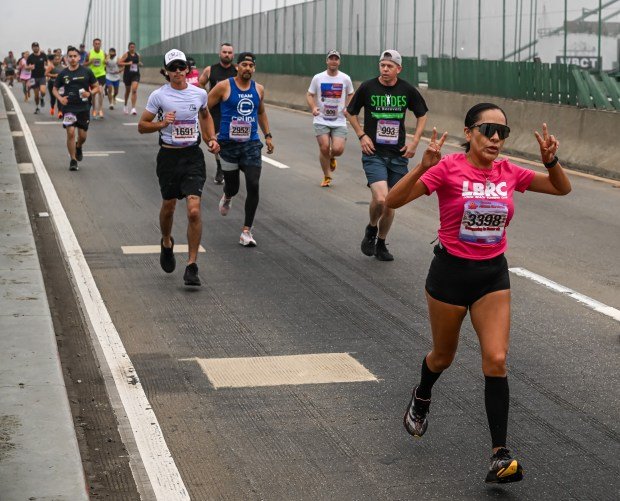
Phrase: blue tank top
pixel 240 114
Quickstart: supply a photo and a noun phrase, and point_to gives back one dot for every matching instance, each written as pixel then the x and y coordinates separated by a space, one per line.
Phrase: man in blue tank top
pixel 242 112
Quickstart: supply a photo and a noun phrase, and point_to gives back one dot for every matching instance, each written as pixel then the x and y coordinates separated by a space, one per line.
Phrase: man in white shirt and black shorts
pixel 182 116
pixel 328 96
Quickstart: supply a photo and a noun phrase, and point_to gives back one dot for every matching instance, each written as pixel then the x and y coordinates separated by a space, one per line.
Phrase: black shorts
pixel 9 73
pixel 83 119
pixel 181 172
pixel 101 80
pixel 128 78
pixel 458 281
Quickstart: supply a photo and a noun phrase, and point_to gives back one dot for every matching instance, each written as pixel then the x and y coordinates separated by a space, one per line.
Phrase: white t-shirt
pixel 111 69
pixel 330 94
pixel 186 103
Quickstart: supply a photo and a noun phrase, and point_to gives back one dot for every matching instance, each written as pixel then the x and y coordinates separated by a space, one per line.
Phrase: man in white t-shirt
pixel 328 96
pixel 178 112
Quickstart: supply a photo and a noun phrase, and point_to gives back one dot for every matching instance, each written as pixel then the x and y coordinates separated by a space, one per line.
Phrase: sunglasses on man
pixel 176 66
pixel 489 130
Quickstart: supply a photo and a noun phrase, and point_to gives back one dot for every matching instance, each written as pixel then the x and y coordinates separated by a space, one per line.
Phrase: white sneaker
pixel 133 111
pixel 225 204
pixel 246 239
pixel 125 110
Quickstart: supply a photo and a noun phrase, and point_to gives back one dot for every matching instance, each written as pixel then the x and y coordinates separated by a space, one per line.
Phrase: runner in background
pixel 328 96
pixel 193 76
pixel 95 60
pixel 131 62
pixel 54 68
pixel 24 74
pixel 112 77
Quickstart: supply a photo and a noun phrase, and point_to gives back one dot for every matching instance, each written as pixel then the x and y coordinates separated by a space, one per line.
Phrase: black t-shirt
pixel 384 113
pixel 71 82
pixel 39 60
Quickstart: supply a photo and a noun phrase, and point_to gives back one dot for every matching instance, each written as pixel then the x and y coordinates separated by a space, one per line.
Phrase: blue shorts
pixel 234 154
pixel 114 84
pixel 384 168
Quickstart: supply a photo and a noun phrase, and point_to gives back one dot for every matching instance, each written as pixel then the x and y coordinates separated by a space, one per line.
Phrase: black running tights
pixel 231 188
pixel 496 401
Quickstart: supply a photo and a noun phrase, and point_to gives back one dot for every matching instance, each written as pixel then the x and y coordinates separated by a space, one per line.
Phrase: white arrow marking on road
pixel 275 163
pixel 588 301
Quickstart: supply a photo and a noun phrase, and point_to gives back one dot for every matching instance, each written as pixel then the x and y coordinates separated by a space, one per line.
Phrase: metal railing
pixel 549 83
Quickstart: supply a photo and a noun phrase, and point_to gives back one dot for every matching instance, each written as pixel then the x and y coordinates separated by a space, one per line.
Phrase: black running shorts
pixel 82 119
pixel 181 172
pixel 462 282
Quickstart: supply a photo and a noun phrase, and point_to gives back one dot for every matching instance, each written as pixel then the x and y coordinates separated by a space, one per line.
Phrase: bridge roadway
pixel 307 289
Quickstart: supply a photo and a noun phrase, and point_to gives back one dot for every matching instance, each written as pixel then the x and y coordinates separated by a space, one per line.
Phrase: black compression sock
pixel 497 402
pixel 427 381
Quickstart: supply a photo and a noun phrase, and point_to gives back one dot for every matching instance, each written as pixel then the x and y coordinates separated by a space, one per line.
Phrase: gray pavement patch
pixel 9 425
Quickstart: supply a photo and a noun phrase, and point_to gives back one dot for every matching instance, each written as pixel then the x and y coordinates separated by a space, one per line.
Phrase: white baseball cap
pixel 391 55
pixel 174 55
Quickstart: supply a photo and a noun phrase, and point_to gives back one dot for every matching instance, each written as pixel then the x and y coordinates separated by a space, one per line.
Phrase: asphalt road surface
pixel 307 289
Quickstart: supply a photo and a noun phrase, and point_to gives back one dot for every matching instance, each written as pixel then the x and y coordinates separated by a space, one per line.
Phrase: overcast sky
pixel 52 23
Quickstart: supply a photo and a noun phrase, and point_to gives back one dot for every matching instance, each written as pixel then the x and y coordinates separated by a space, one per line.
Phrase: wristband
pixel 360 137
pixel 548 165
pixel 268 135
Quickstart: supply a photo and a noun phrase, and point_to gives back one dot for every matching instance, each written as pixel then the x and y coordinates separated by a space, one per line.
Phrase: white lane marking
pixel 11 113
pixel 101 153
pixel 130 123
pixel 154 249
pixel 25 168
pixel 17 133
pixel 319 368
pixel 275 163
pixel 588 301
pixel 165 482
pixel 49 122
pixel 120 100
pixel 44 214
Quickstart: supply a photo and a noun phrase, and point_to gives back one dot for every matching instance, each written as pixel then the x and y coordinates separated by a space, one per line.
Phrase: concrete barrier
pixel 588 138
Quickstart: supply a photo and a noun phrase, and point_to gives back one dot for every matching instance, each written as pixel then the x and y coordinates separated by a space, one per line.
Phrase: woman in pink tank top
pixel 469 271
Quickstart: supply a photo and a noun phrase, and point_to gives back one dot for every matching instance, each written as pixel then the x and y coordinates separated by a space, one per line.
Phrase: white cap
pixel 174 55
pixel 391 55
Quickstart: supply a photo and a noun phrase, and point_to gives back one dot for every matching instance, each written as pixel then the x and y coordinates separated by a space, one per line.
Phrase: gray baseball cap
pixel 333 53
pixel 391 55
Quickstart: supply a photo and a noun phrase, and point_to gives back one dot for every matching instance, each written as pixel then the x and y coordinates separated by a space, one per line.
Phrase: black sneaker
pixel 42 103
pixel 219 175
pixel 166 257
pixel 504 468
pixel 191 275
pixel 370 241
pixel 36 111
pixel 73 165
pixel 78 153
pixel 415 416
pixel 381 252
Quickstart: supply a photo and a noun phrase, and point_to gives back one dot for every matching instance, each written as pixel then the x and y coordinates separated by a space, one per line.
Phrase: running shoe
pixel 504 468
pixel 190 277
pixel 326 182
pixel 381 252
pixel 370 241
pixel 246 239
pixel 332 164
pixel 101 114
pixel 52 111
pixel 60 115
pixel 42 103
pixel 219 175
pixel 415 416
pixel 111 106
pixel 73 165
pixel 125 110
pixel 78 153
pixel 133 111
pixel 225 204
pixel 166 257
pixel 36 111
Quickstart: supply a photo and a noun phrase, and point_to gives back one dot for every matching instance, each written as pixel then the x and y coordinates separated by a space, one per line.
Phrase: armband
pixel 553 162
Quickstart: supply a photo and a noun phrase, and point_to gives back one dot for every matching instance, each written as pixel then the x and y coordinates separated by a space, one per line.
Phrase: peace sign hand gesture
pixel 432 155
pixel 548 144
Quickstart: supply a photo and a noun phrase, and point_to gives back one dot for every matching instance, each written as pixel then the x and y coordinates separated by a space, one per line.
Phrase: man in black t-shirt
pixel 74 88
pixel 384 153
pixel 210 77
pixel 37 62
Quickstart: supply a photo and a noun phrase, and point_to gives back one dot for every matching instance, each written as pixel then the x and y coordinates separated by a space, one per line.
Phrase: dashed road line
pixel 275 163
pixel 154 249
pixel 588 301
